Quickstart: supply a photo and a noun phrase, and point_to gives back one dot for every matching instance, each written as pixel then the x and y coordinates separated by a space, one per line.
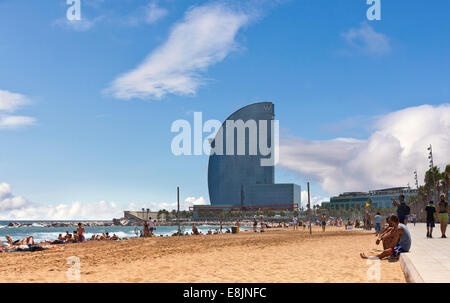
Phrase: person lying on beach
pixel 26 240
pixel 401 242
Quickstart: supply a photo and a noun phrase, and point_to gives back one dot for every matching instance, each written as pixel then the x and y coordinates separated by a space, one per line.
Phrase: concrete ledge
pixel 409 270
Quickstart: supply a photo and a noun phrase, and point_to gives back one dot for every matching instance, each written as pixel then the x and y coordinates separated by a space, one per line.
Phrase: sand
pixel 278 255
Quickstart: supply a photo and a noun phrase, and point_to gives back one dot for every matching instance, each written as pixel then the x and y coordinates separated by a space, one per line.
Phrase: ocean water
pixel 41 233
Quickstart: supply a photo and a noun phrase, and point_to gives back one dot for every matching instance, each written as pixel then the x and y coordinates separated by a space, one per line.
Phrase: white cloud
pixel 315 200
pixel 77 25
pixel 12 122
pixel 203 38
pixel 153 12
pixel 10 102
pixel 366 40
pixel 396 148
pixel 13 207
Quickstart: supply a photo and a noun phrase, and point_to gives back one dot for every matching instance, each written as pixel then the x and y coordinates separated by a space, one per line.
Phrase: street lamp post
pixel 430 156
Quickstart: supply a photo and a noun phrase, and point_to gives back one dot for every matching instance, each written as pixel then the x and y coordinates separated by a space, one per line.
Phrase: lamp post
pixel 309 210
pixel 178 210
pixel 430 156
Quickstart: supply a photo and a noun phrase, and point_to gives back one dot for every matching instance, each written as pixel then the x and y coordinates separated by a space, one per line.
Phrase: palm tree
pixel 446 179
pixel 432 178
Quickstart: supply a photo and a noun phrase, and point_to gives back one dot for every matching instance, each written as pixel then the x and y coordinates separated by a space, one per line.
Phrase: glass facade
pixel 380 198
pixel 241 180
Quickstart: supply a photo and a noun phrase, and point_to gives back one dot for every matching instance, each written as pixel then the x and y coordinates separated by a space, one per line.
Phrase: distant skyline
pixel 86 106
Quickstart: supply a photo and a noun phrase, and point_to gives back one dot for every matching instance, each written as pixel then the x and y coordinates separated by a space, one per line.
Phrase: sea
pixel 44 233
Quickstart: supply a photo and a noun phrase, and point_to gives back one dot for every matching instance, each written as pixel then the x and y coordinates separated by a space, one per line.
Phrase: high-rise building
pixel 239 175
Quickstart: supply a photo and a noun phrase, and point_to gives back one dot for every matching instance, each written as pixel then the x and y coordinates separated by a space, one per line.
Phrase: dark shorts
pixel 151 229
pixel 324 223
pixel 430 223
pixel 397 250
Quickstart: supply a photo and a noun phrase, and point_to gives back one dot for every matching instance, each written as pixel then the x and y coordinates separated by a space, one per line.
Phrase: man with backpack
pixel 403 210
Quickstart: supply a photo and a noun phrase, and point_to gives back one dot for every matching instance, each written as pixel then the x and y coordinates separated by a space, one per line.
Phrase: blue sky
pixel 84 132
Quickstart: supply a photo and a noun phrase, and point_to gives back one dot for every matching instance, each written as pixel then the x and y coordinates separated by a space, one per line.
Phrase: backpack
pixel 407 210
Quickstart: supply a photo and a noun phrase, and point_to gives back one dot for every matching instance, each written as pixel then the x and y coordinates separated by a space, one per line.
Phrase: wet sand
pixel 278 255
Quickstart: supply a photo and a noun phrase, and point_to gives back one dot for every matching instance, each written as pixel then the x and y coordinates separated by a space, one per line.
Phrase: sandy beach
pixel 278 255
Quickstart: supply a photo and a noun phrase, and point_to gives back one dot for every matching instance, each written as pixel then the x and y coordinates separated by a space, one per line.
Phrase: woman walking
pixel 442 212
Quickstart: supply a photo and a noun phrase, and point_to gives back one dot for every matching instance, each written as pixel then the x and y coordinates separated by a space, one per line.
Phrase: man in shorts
pixel 431 211
pixel 400 244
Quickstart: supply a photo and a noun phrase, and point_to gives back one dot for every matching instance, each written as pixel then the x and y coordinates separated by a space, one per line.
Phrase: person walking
pixel 430 211
pixel 377 223
pixel 151 226
pixel 442 213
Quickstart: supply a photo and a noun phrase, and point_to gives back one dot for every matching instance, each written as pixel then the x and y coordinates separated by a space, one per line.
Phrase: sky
pixel 86 106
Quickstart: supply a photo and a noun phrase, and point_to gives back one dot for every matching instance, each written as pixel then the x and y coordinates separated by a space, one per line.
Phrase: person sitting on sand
pixel 68 238
pixel 387 235
pixel 114 237
pixel 401 242
pixel 195 230
pixel 76 238
pixel 227 231
pixel 209 232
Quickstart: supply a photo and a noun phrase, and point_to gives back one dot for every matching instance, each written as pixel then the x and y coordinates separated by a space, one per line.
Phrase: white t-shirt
pixel 150 223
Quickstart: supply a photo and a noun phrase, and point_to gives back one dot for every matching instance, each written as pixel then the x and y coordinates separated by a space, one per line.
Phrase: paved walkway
pixel 429 259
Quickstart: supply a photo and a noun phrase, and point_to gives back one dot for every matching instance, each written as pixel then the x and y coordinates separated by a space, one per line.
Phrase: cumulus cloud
pixel 153 12
pixel 9 103
pixel 367 41
pixel 204 37
pixel 315 200
pixel 14 207
pixel 396 147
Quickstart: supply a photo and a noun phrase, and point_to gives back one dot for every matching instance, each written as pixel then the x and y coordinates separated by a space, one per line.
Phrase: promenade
pixel 429 259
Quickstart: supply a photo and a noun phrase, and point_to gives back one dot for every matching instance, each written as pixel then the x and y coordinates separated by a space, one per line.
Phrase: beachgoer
pixel 324 222
pixel 80 232
pixel 431 211
pixel 378 223
pixel 151 225
pixel 403 210
pixel 146 232
pixel 442 210
pixel 400 244
pixel 255 224
pixel 195 230
pixel 295 223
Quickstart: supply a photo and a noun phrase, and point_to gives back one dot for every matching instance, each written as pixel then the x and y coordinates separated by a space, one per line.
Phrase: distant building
pixel 380 198
pixel 240 182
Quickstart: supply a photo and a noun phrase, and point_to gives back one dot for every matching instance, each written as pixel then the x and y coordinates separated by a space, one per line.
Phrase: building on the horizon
pixel 240 181
pixel 380 198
